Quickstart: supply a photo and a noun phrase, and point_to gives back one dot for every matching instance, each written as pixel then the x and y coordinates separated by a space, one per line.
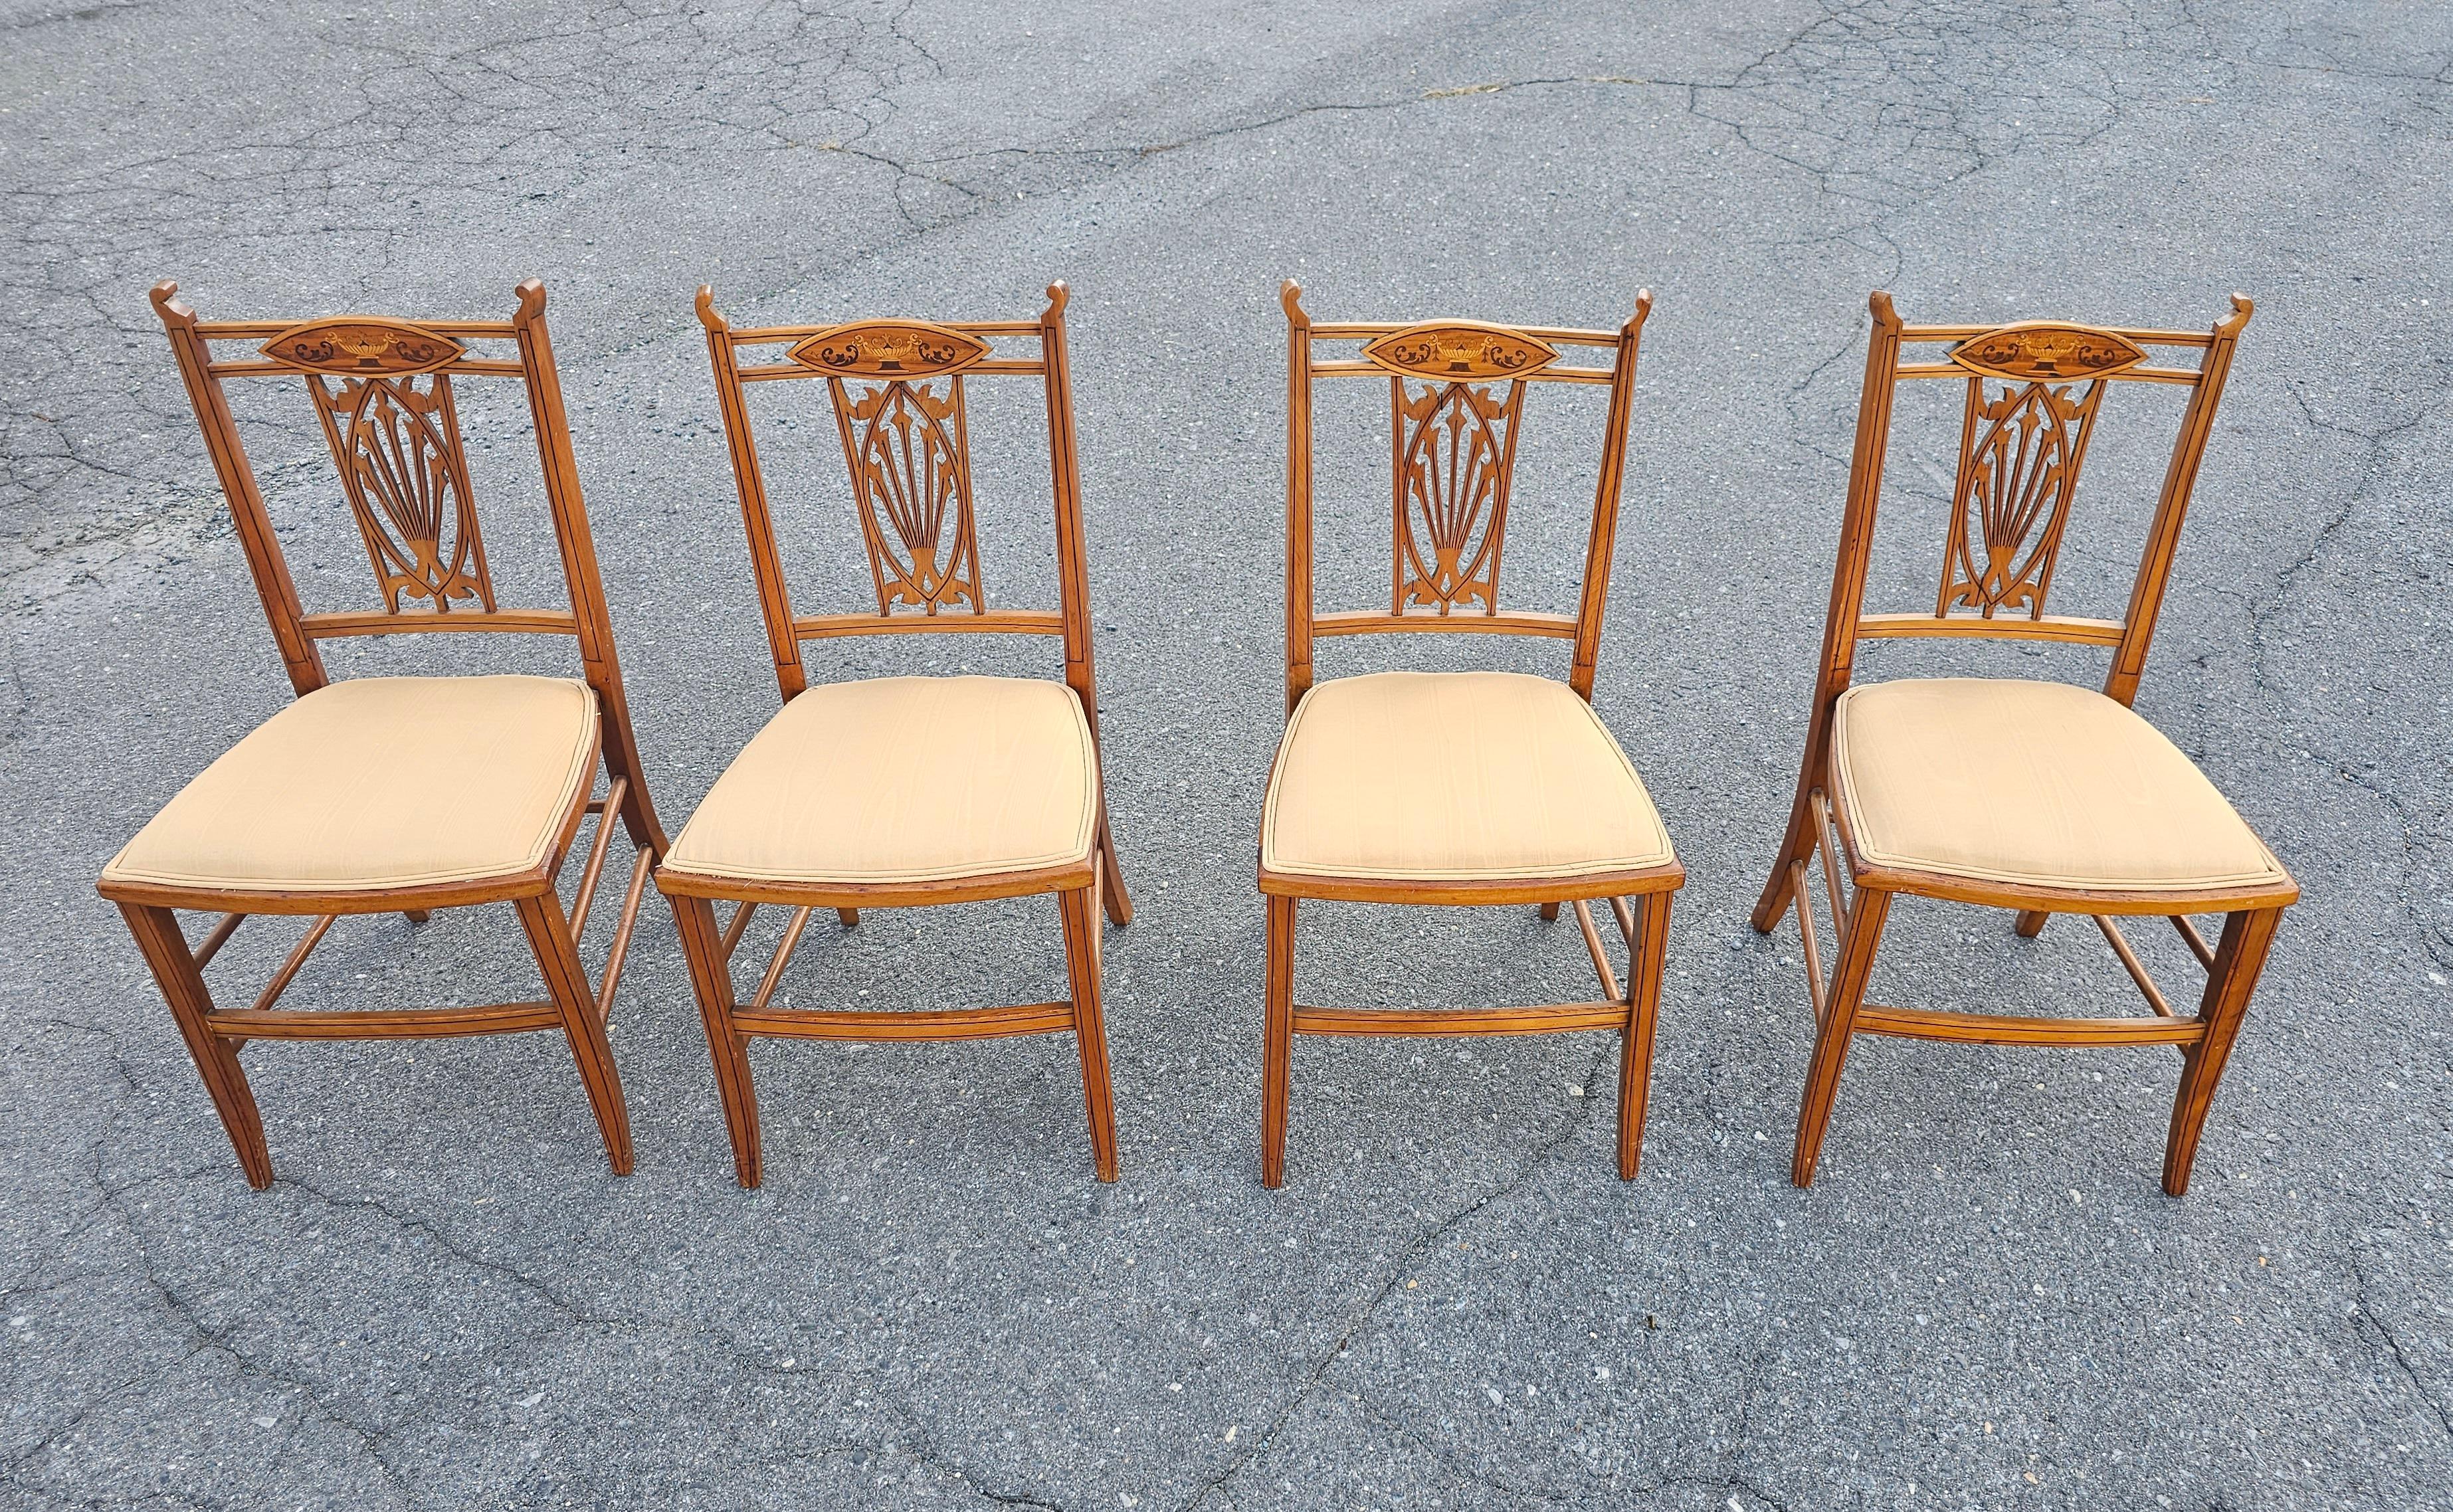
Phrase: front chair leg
pixel 847 917
pixel 2031 923
pixel 711 982
pixel 1838 1027
pixel 182 987
pixel 1635 1048
pixel 1550 912
pixel 2238 958
pixel 1079 909
pixel 1277 1040
pixel 566 982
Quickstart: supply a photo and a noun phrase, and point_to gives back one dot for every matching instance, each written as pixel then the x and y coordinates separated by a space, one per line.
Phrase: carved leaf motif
pixel 398 450
pixel 2042 350
pixel 2016 484
pixel 889 349
pixel 912 478
pixel 1460 350
pixel 364 344
pixel 1456 452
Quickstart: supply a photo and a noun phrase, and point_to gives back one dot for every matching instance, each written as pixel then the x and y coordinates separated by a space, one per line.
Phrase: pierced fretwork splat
pixel 911 481
pixel 407 476
pixel 2018 472
pixel 1455 453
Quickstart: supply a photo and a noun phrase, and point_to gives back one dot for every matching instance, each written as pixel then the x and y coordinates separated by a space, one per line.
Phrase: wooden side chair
pixel 396 794
pixel 1460 787
pixel 2034 796
pixel 902 791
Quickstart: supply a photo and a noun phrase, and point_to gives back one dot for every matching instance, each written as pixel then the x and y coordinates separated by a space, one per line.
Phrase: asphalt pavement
pixel 446 1299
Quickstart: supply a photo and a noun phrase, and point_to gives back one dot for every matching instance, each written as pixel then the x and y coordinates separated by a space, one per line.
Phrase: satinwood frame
pixel 387 354
pixel 914 352
pixel 1454 355
pixel 2031 356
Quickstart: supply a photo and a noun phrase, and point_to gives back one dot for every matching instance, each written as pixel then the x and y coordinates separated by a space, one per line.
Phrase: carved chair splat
pixel 789 822
pixel 484 782
pixel 1901 791
pixel 1360 745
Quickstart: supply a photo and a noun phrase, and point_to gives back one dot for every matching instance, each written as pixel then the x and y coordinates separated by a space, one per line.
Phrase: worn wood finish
pixel 1457 394
pixel 383 393
pixel 898 392
pixel 2034 392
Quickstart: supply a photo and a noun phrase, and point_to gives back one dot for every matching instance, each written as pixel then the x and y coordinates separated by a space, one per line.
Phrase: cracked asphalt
pixel 446 1301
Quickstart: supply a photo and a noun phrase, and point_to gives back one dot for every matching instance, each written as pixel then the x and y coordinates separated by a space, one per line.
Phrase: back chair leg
pixel 1080 912
pixel 847 917
pixel 1796 844
pixel 1839 1026
pixel 417 915
pixel 1635 1049
pixel 183 985
pixel 1277 1040
pixel 1111 874
pixel 1550 912
pixel 2238 959
pixel 711 982
pixel 566 982
pixel 2031 923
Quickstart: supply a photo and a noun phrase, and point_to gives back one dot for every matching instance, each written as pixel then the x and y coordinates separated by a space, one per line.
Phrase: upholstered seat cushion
pixel 903 780
pixel 2042 784
pixel 380 782
pixel 1454 777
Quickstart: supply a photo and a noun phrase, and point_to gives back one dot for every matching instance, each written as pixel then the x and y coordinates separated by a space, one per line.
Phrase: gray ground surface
pixel 446 1302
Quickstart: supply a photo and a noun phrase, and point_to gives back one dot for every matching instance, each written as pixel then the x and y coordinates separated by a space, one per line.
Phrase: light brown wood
pixel 898 392
pixel 1457 395
pixel 2239 958
pixel 2033 393
pixel 382 392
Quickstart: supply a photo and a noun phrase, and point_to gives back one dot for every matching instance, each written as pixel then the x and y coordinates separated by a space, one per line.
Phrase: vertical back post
pixel 774 598
pixel 1600 550
pixel 1072 567
pixel 265 563
pixel 2179 480
pixel 580 571
pixel 1847 588
pixel 1299 493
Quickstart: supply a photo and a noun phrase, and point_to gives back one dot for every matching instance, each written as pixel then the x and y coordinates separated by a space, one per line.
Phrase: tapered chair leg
pixel 1838 1027
pixel 1080 912
pixel 1112 873
pixel 1635 1048
pixel 182 987
pixel 1277 1040
pixel 2031 924
pixel 566 982
pixel 1796 844
pixel 711 982
pixel 2239 956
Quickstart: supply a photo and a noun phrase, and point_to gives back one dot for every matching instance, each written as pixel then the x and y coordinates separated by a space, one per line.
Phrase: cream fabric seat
pixel 377 782
pixel 903 780
pixel 1454 776
pixel 2042 784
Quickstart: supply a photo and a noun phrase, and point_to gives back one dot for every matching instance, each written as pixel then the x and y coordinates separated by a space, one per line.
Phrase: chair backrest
pixel 381 389
pixel 2034 391
pixel 1456 392
pixel 897 390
